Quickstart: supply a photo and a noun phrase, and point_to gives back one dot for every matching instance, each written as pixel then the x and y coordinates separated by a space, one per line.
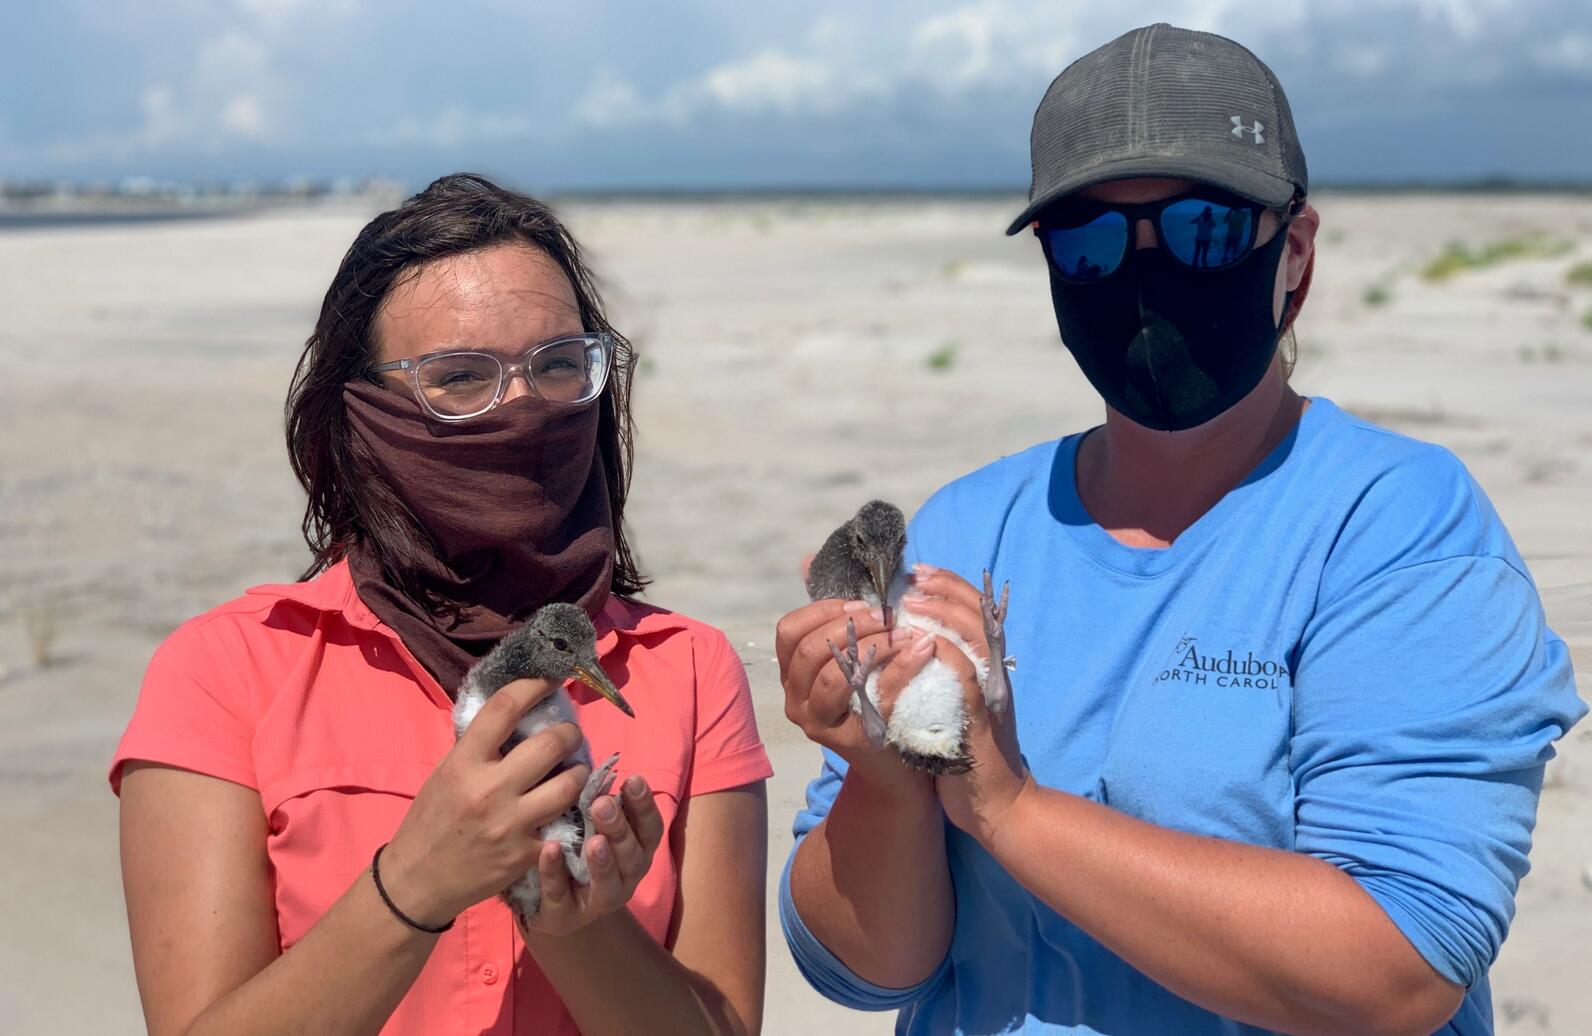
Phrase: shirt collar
pixel 333 591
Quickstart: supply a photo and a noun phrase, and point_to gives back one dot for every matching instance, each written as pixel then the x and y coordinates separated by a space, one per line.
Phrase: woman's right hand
pixel 817 696
pixel 472 829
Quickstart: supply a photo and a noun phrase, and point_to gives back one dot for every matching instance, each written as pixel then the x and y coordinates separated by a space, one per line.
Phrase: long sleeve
pixel 1427 701
pixel 827 973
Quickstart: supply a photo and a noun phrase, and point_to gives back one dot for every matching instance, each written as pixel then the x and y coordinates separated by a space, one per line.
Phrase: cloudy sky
pixel 731 93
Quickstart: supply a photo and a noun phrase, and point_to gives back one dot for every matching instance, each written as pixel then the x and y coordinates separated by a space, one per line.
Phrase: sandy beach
pixel 797 357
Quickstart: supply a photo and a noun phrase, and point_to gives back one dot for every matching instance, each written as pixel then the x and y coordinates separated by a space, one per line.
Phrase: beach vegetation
pixel 40 627
pixel 1459 257
pixel 943 358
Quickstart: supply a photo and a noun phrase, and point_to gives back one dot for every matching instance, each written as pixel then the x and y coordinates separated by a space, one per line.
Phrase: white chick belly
pixel 929 716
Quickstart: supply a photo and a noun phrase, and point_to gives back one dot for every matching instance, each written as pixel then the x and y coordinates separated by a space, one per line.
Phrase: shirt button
pixel 489 973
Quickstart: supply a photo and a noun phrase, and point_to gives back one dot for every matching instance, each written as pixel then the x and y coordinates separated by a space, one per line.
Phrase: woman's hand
pixel 979 800
pixel 629 829
pixel 472 829
pixel 817 695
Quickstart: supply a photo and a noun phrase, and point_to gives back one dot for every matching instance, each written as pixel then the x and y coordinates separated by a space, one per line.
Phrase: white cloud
pixel 829 76
pixel 1571 53
pixel 275 13
pixel 1362 60
pixel 958 42
pixel 770 79
pixel 454 126
pixel 609 101
pixel 161 120
pixel 244 116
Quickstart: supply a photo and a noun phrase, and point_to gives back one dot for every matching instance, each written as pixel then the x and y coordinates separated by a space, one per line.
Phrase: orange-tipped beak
pixel 597 680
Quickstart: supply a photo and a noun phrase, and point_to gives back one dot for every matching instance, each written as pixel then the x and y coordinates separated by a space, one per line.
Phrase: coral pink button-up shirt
pixel 300 692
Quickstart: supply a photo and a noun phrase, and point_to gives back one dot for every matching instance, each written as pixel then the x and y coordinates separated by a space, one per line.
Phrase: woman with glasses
pixel 1283 691
pixel 305 847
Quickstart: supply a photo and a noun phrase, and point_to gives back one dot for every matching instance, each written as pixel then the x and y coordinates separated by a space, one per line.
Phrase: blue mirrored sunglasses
pixel 1204 230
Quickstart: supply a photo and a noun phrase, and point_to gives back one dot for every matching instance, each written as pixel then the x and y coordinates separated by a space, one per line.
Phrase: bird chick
pixel 557 644
pixel 862 560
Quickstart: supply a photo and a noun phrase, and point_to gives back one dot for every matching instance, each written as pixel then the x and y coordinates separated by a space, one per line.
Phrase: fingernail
pixel 924 646
pixel 916 595
pixel 854 606
pixel 599 850
pixel 923 569
pixel 904 634
pixel 635 786
pixel 877 614
pixel 604 809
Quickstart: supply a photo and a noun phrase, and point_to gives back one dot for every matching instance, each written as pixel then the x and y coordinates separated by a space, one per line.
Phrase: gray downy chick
pixel 862 560
pixel 557 643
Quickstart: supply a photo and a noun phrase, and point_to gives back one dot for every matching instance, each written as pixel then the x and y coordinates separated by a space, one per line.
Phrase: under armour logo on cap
pixel 1239 129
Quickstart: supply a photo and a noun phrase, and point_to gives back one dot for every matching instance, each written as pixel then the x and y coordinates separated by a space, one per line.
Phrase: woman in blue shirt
pixel 1286 692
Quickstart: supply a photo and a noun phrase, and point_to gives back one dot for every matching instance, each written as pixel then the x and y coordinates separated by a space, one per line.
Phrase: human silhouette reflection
pixel 1204 228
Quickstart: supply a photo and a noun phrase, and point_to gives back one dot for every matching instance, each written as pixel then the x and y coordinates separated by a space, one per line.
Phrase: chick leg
pixel 597 786
pixel 997 685
pixel 856 668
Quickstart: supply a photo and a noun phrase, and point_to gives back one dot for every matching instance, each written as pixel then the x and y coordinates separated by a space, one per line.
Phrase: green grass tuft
pixel 1459 257
pixel 1580 275
pixel 943 358
pixel 1377 295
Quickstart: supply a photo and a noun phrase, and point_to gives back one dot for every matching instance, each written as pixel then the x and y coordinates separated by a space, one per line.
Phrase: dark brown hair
pixel 456 214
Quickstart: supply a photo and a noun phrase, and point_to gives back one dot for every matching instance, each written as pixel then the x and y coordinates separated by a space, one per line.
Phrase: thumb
pixel 806 565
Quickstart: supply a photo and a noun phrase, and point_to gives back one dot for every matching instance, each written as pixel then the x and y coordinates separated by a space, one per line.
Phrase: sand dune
pixel 797 358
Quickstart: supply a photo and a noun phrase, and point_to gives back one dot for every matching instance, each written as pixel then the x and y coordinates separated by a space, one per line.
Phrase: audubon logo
pixel 1187 664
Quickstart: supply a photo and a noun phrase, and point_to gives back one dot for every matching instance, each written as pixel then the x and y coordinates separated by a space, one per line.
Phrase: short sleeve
pixel 193 711
pixel 729 751
pixel 1427 699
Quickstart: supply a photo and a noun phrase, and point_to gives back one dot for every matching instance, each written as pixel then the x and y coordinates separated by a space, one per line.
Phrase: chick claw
pixel 856 668
pixel 596 787
pixel 997 687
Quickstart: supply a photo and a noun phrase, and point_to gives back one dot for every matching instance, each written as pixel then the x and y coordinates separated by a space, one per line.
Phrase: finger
pixel 942 582
pixel 642 809
pixel 953 615
pixel 553 797
pixel 606 891
pixel 962 667
pixel 614 825
pixel 813 653
pixel 806 566
pixel 538 755
pixel 796 626
pixel 557 896
pixel 902 669
pixel 493 724
pixel 828 702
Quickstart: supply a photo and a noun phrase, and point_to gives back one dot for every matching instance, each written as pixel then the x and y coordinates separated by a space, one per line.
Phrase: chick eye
pixel 560 643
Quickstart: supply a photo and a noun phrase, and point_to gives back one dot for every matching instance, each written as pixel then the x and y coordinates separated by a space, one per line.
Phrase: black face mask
pixel 1168 346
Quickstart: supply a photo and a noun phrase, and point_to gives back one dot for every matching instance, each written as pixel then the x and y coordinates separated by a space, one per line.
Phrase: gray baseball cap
pixel 1164 101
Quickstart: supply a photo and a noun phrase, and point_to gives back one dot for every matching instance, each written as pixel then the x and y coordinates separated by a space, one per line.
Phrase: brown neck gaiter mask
pixel 515 502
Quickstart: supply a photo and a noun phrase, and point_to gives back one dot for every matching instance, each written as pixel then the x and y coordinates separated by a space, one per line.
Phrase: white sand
pixel 785 380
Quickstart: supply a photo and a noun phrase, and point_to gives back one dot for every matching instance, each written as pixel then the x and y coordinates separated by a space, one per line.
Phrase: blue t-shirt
pixel 1344 657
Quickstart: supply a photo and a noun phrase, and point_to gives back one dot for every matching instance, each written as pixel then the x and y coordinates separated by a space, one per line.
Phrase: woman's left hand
pixel 629 830
pixel 978 800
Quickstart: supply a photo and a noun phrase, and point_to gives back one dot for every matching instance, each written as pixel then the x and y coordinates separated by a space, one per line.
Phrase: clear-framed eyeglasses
pixel 454 386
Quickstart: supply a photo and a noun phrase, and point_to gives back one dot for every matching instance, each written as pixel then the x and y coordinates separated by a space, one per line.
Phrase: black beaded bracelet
pixel 375 874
